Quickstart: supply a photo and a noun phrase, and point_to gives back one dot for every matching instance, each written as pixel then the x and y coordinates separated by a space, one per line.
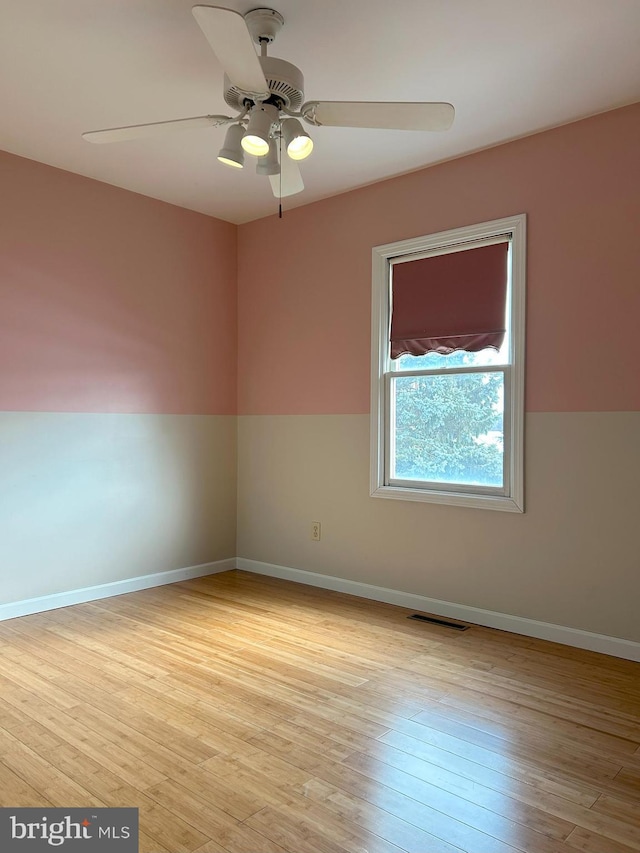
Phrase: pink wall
pixel 110 301
pixel 304 317
pixel 113 302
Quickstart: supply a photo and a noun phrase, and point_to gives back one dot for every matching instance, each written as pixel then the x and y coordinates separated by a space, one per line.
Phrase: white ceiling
pixel 510 67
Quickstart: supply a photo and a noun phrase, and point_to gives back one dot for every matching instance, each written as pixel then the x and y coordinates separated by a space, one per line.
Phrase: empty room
pixel 319 427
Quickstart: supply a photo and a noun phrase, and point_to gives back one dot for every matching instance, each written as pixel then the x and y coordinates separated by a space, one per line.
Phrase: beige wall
pixel 118 327
pixel 89 499
pixel 94 492
pixel 304 386
pixel 571 559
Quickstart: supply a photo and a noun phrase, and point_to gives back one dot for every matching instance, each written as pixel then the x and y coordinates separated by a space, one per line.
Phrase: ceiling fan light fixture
pixel 256 138
pixel 231 153
pixel 269 165
pixel 296 139
pixel 267 92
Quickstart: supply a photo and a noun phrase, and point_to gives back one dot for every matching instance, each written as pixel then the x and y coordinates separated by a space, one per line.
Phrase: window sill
pixel 495 502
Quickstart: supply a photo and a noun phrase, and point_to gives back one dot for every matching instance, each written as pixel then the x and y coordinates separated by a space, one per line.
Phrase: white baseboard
pixel 503 621
pixel 107 590
pixel 615 646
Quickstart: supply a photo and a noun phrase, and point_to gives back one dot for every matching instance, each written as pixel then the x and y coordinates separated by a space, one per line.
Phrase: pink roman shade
pixel 450 302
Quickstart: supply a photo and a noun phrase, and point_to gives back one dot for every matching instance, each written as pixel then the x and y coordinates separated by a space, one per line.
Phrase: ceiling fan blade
pixel 230 40
pixel 291 179
pixel 384 115
pixel 134 131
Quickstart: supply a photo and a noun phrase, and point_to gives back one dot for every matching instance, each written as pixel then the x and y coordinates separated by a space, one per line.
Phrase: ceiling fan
pixel 268 95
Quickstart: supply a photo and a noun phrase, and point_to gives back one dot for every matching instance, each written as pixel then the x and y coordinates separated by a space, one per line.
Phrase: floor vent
pixel 435 621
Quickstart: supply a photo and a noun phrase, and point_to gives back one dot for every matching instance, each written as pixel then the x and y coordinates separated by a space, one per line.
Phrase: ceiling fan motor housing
pixel 284 79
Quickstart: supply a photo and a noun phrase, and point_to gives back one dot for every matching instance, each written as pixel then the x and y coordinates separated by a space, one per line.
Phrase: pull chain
pixel 280 178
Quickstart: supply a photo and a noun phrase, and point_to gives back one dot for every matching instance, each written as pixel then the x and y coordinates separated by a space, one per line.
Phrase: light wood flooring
pixel 250 715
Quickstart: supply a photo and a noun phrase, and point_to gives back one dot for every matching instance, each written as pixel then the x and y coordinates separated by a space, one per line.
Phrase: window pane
pixel 448 429
pixel 460 358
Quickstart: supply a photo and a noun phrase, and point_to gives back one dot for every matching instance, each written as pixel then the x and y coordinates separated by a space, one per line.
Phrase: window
pixel 447 407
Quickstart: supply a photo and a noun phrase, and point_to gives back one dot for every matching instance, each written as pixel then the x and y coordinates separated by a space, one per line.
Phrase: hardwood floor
pixel 250 715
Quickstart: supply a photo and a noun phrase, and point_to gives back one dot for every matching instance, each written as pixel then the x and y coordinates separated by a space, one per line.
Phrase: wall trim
pixel 108 590
pixel 615 646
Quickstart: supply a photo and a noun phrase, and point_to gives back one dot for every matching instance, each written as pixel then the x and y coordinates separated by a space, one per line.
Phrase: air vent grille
pixel 445 623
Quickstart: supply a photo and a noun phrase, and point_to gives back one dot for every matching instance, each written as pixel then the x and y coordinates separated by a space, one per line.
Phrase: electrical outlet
pixel 315 531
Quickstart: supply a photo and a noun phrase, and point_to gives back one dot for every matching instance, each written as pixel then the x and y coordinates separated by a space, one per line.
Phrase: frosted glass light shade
pixel 231 153
pixel 269 165
pixel 256 138
pixel 297 141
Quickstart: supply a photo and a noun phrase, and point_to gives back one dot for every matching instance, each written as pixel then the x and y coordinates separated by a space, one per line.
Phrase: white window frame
pixel 382 257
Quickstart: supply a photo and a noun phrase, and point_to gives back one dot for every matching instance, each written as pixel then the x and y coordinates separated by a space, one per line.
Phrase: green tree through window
pixel 449 428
